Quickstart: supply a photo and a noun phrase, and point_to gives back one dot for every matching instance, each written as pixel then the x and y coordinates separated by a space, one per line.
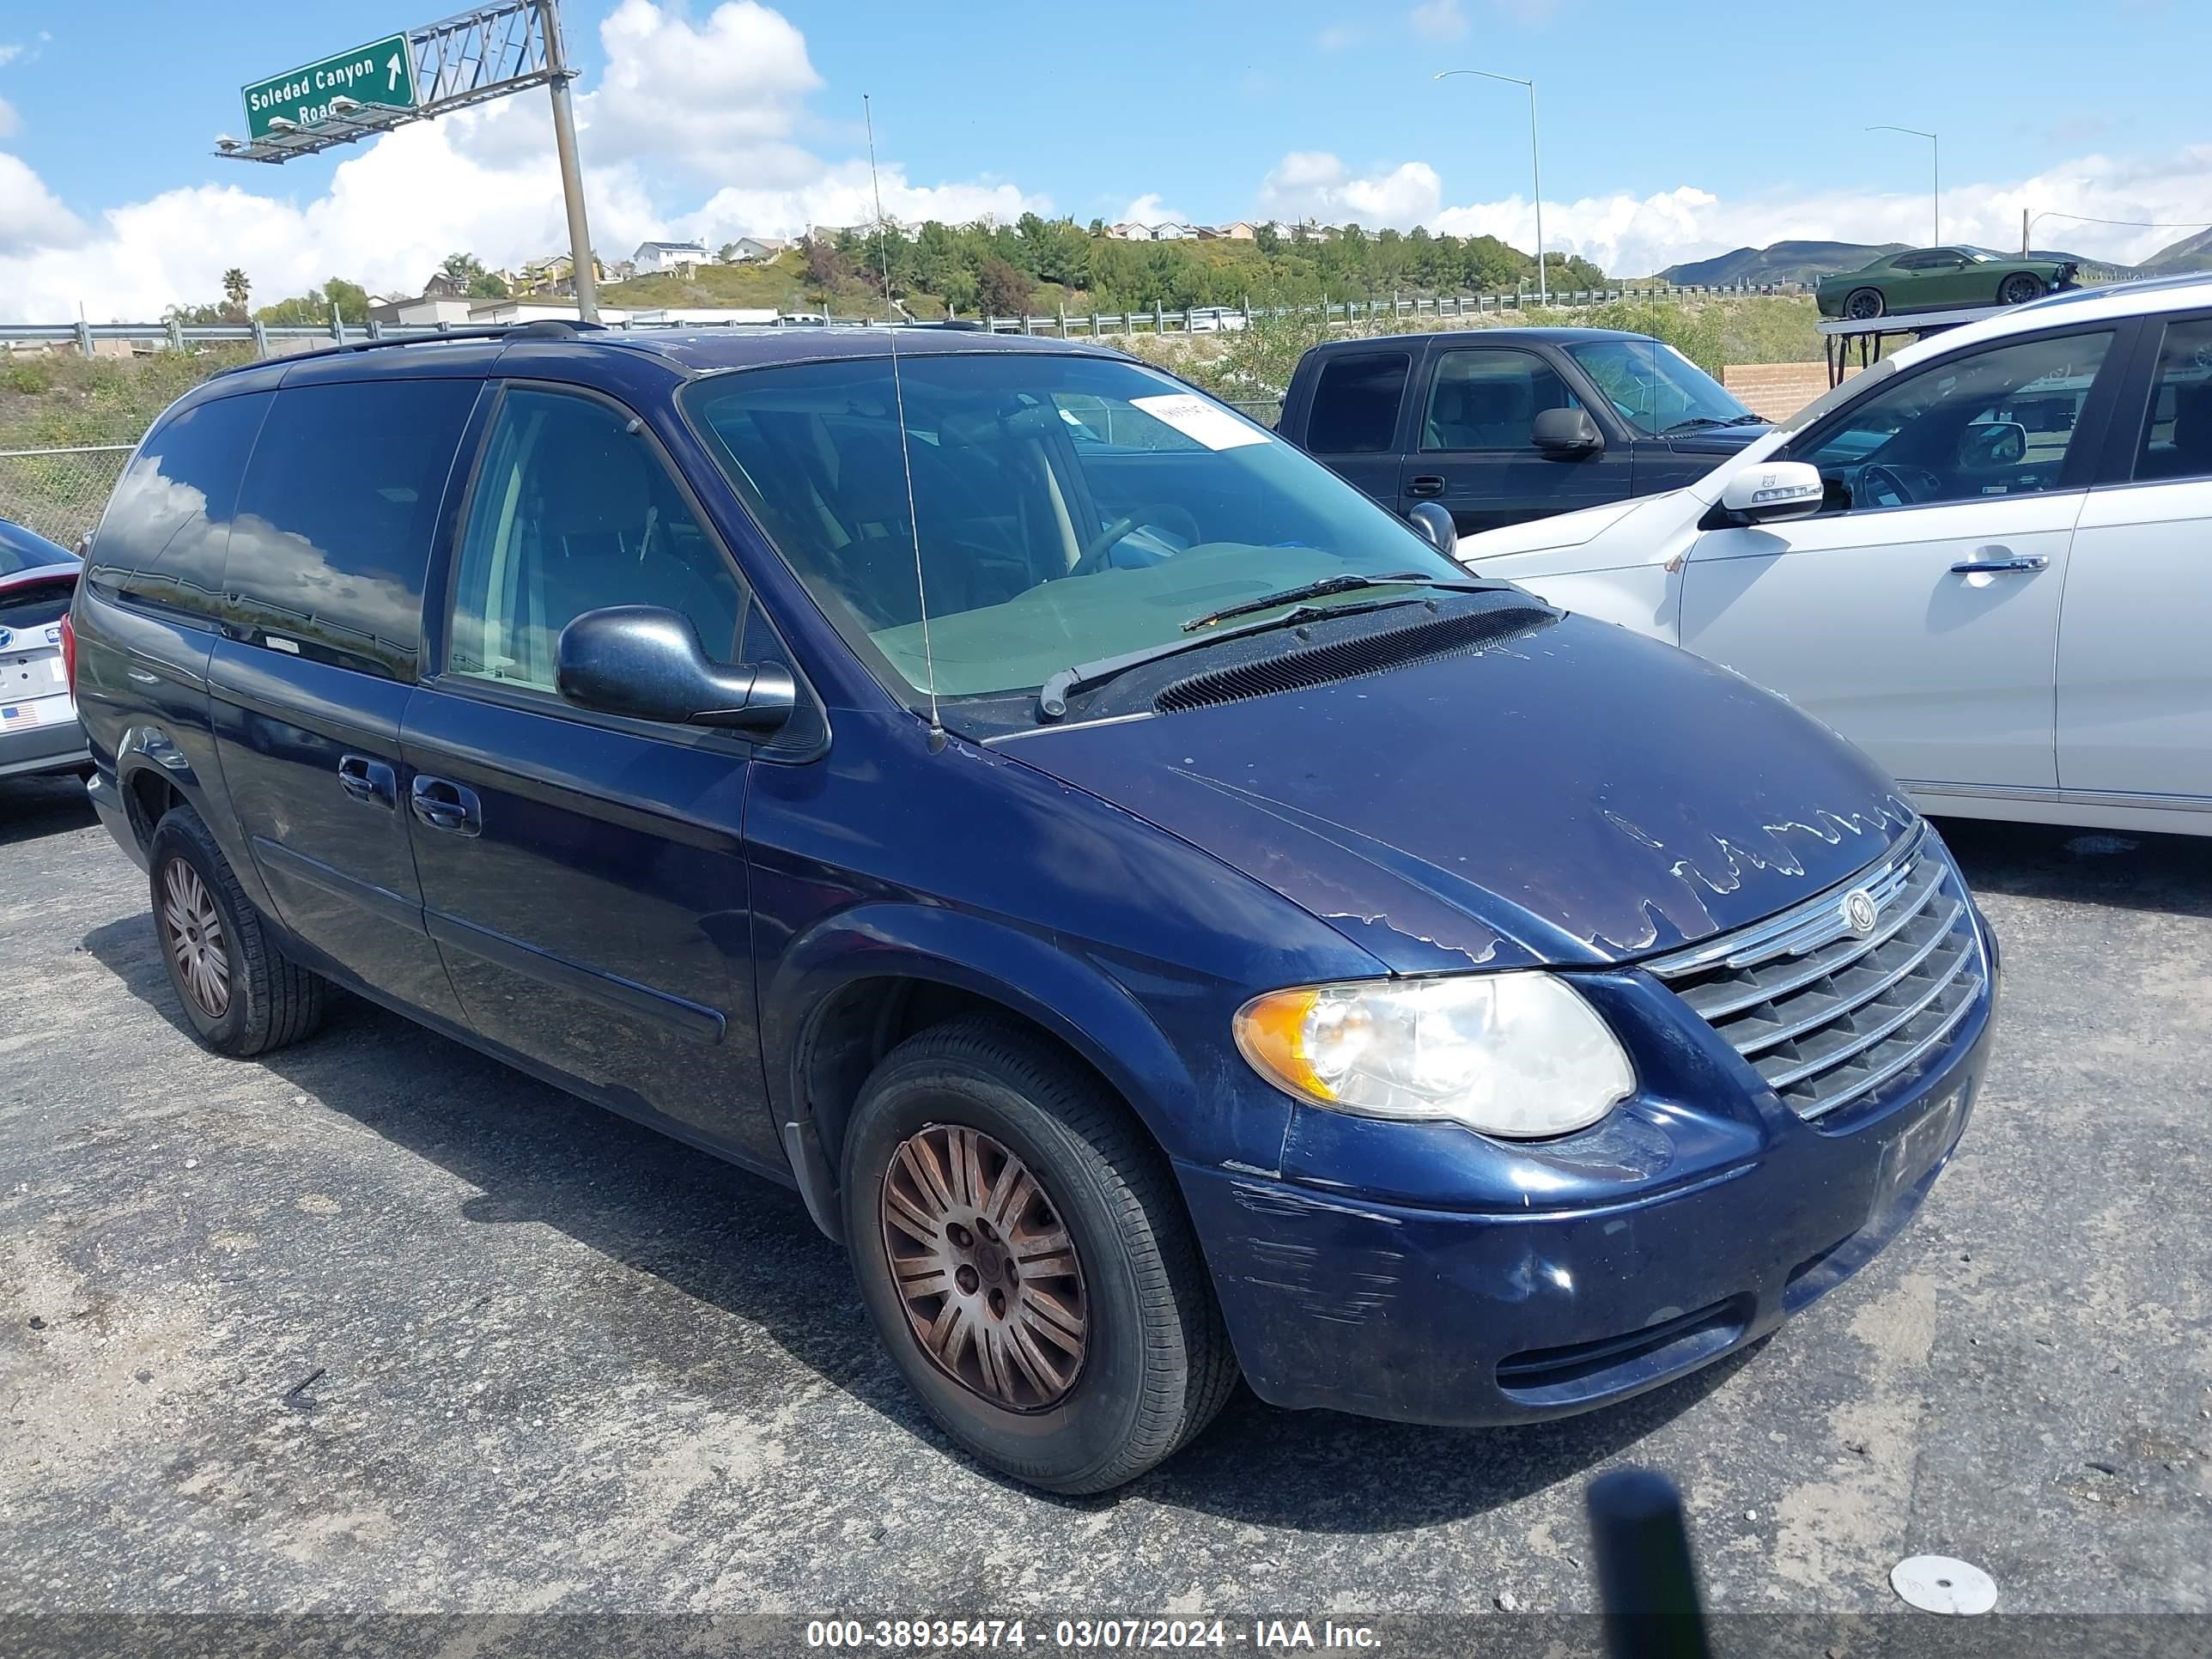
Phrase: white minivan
pixel 1986 560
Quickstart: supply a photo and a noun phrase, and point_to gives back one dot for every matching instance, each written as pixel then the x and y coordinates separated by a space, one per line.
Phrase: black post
pixel 1645 1580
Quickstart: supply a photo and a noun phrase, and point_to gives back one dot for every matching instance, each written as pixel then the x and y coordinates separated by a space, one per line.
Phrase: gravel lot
pixel 559 1362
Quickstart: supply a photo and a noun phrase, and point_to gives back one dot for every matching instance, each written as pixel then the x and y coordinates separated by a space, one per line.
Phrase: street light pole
pixel 1935 168
pixel 572 172
pixel 1535 167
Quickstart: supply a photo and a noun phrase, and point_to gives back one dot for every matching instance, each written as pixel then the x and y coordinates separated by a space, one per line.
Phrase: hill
pixel 2190 253
pixel 1784 262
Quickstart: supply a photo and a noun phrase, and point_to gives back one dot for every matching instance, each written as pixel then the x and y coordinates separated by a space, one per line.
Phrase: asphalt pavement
pixel 377 1323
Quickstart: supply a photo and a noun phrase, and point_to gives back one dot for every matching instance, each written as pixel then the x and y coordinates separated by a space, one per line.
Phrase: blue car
pixel 1167 919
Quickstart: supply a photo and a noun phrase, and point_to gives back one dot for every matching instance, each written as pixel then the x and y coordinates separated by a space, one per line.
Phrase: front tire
pixel 2019 288
pixel 1865 304
pixel 1024 1254
pixel 241 993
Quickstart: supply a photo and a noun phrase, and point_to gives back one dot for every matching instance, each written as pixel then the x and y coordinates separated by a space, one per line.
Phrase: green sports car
pixel 1939 279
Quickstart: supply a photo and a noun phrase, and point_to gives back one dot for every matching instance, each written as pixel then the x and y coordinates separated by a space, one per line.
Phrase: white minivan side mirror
pixel 1766 492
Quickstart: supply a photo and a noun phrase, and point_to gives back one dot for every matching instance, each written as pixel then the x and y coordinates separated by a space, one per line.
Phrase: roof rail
pixel 541 328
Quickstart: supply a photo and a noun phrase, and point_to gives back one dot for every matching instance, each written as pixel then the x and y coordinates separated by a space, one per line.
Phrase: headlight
pixel 1518 1054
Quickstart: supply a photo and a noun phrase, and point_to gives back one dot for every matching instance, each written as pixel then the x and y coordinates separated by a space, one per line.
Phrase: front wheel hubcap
pixel 191 928
pixel 985 1267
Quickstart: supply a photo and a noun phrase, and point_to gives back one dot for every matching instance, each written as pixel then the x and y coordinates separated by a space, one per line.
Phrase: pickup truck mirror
pixel 647 662
pixel 1432 523
pixel 1766 492
pixel 1566 432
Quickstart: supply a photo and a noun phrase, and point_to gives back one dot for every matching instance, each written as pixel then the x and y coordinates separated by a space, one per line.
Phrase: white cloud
pixel 1339 36
pixel 1314 184
pixel 10 51
pixel 720 99
pixel 1150 210
pixel 709 100
pixel 1632 236
pixel 1437 19
pixel 31 216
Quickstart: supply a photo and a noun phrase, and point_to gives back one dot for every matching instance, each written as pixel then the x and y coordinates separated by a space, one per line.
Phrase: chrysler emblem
pixel 1859 911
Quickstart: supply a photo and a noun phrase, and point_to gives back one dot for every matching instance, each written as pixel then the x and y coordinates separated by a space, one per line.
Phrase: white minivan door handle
pixel 1987 560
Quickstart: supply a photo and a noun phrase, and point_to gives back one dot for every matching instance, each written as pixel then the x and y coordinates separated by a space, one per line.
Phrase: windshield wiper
pixel 1327 585
pixel 1052 694
pixel 1748 420
pixel 1695 423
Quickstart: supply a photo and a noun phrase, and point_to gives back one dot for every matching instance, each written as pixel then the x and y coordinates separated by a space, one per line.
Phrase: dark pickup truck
pixel 1501 425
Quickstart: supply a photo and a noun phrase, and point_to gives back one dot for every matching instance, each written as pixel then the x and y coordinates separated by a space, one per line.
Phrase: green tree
pixel 463 268
pixel 1004 291
pixel 235 289
pixel 488 285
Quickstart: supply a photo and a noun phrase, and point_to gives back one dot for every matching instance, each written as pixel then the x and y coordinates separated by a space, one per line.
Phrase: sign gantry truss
pixel 469 58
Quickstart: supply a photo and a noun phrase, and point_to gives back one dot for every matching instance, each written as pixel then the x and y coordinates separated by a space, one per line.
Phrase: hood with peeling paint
pixel 1575 795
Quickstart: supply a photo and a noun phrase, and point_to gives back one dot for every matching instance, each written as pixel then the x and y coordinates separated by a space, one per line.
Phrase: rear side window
pixel 335 517
pixel 1355 406
pixel 2177 441
pixel 162 540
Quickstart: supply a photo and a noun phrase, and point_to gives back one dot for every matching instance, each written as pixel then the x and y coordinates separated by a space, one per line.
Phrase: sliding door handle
pixel 444 805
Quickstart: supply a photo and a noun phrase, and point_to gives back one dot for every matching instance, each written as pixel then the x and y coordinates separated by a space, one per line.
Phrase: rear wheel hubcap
pixel 191 929
pixel 986 1269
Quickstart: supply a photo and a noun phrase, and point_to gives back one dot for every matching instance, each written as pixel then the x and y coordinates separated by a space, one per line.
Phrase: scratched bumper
pixel 1422 1315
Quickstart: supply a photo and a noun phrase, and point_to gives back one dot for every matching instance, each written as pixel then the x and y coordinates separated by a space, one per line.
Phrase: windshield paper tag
pixel 1217 429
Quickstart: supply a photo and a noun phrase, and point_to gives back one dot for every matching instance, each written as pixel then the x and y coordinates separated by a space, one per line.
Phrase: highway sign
pixel 381 73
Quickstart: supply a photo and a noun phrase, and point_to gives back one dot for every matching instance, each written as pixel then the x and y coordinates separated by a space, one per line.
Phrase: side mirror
pixel 1432 523
pixel 1766 492
pixel 646 663
pixel 1566 432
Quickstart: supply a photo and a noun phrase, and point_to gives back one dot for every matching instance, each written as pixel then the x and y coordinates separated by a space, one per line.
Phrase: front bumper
pixel 1463 1319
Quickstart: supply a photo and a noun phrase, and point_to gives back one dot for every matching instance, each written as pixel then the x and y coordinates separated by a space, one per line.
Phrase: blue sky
pixel 1670 130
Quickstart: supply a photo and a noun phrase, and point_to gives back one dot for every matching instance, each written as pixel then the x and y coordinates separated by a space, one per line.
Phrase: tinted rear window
pixel 335 517
pixel 1355 407
pixel 162 540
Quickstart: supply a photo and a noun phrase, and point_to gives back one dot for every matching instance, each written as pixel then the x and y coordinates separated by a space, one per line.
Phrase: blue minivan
pixel 1167 918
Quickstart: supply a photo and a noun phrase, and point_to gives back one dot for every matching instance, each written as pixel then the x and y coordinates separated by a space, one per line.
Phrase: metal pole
pixel 572 172
pixel 1936 172
pixel 1536 170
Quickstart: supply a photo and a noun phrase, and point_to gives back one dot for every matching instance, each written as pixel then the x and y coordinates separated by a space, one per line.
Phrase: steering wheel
pixel 1883 479
pixel 1092 559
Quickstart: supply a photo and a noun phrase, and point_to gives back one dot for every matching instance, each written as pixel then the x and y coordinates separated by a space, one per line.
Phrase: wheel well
pixel 869 1018
pixel 146 795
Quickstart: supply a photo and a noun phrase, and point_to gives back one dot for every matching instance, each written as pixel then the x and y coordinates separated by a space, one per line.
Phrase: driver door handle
pixel 1992 560
pixel 1425 487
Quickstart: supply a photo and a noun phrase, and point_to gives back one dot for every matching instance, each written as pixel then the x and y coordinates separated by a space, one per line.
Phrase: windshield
pixel 1070 508
pixel 1655 388
pixel 20 549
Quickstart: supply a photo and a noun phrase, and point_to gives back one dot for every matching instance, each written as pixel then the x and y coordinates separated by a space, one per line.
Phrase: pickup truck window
pixel 1355 406
pixel 1489 397
pixel 1656 389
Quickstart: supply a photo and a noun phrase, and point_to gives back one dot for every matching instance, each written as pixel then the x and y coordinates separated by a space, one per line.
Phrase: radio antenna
pixel 906 455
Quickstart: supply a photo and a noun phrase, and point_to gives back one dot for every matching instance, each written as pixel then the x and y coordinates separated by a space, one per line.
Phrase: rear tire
pixel 2019 288
pixel 241 993
pixel 1865 304
pixel 1140 1361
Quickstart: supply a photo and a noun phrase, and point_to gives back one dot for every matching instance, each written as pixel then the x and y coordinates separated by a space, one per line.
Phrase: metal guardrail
pixel 60 493
pixel 267 338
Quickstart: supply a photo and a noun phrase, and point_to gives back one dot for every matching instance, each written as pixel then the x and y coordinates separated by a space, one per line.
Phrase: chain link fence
pixel 59 493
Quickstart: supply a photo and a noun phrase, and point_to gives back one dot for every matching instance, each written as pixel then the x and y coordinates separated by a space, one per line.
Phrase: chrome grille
pixel 1825 1013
